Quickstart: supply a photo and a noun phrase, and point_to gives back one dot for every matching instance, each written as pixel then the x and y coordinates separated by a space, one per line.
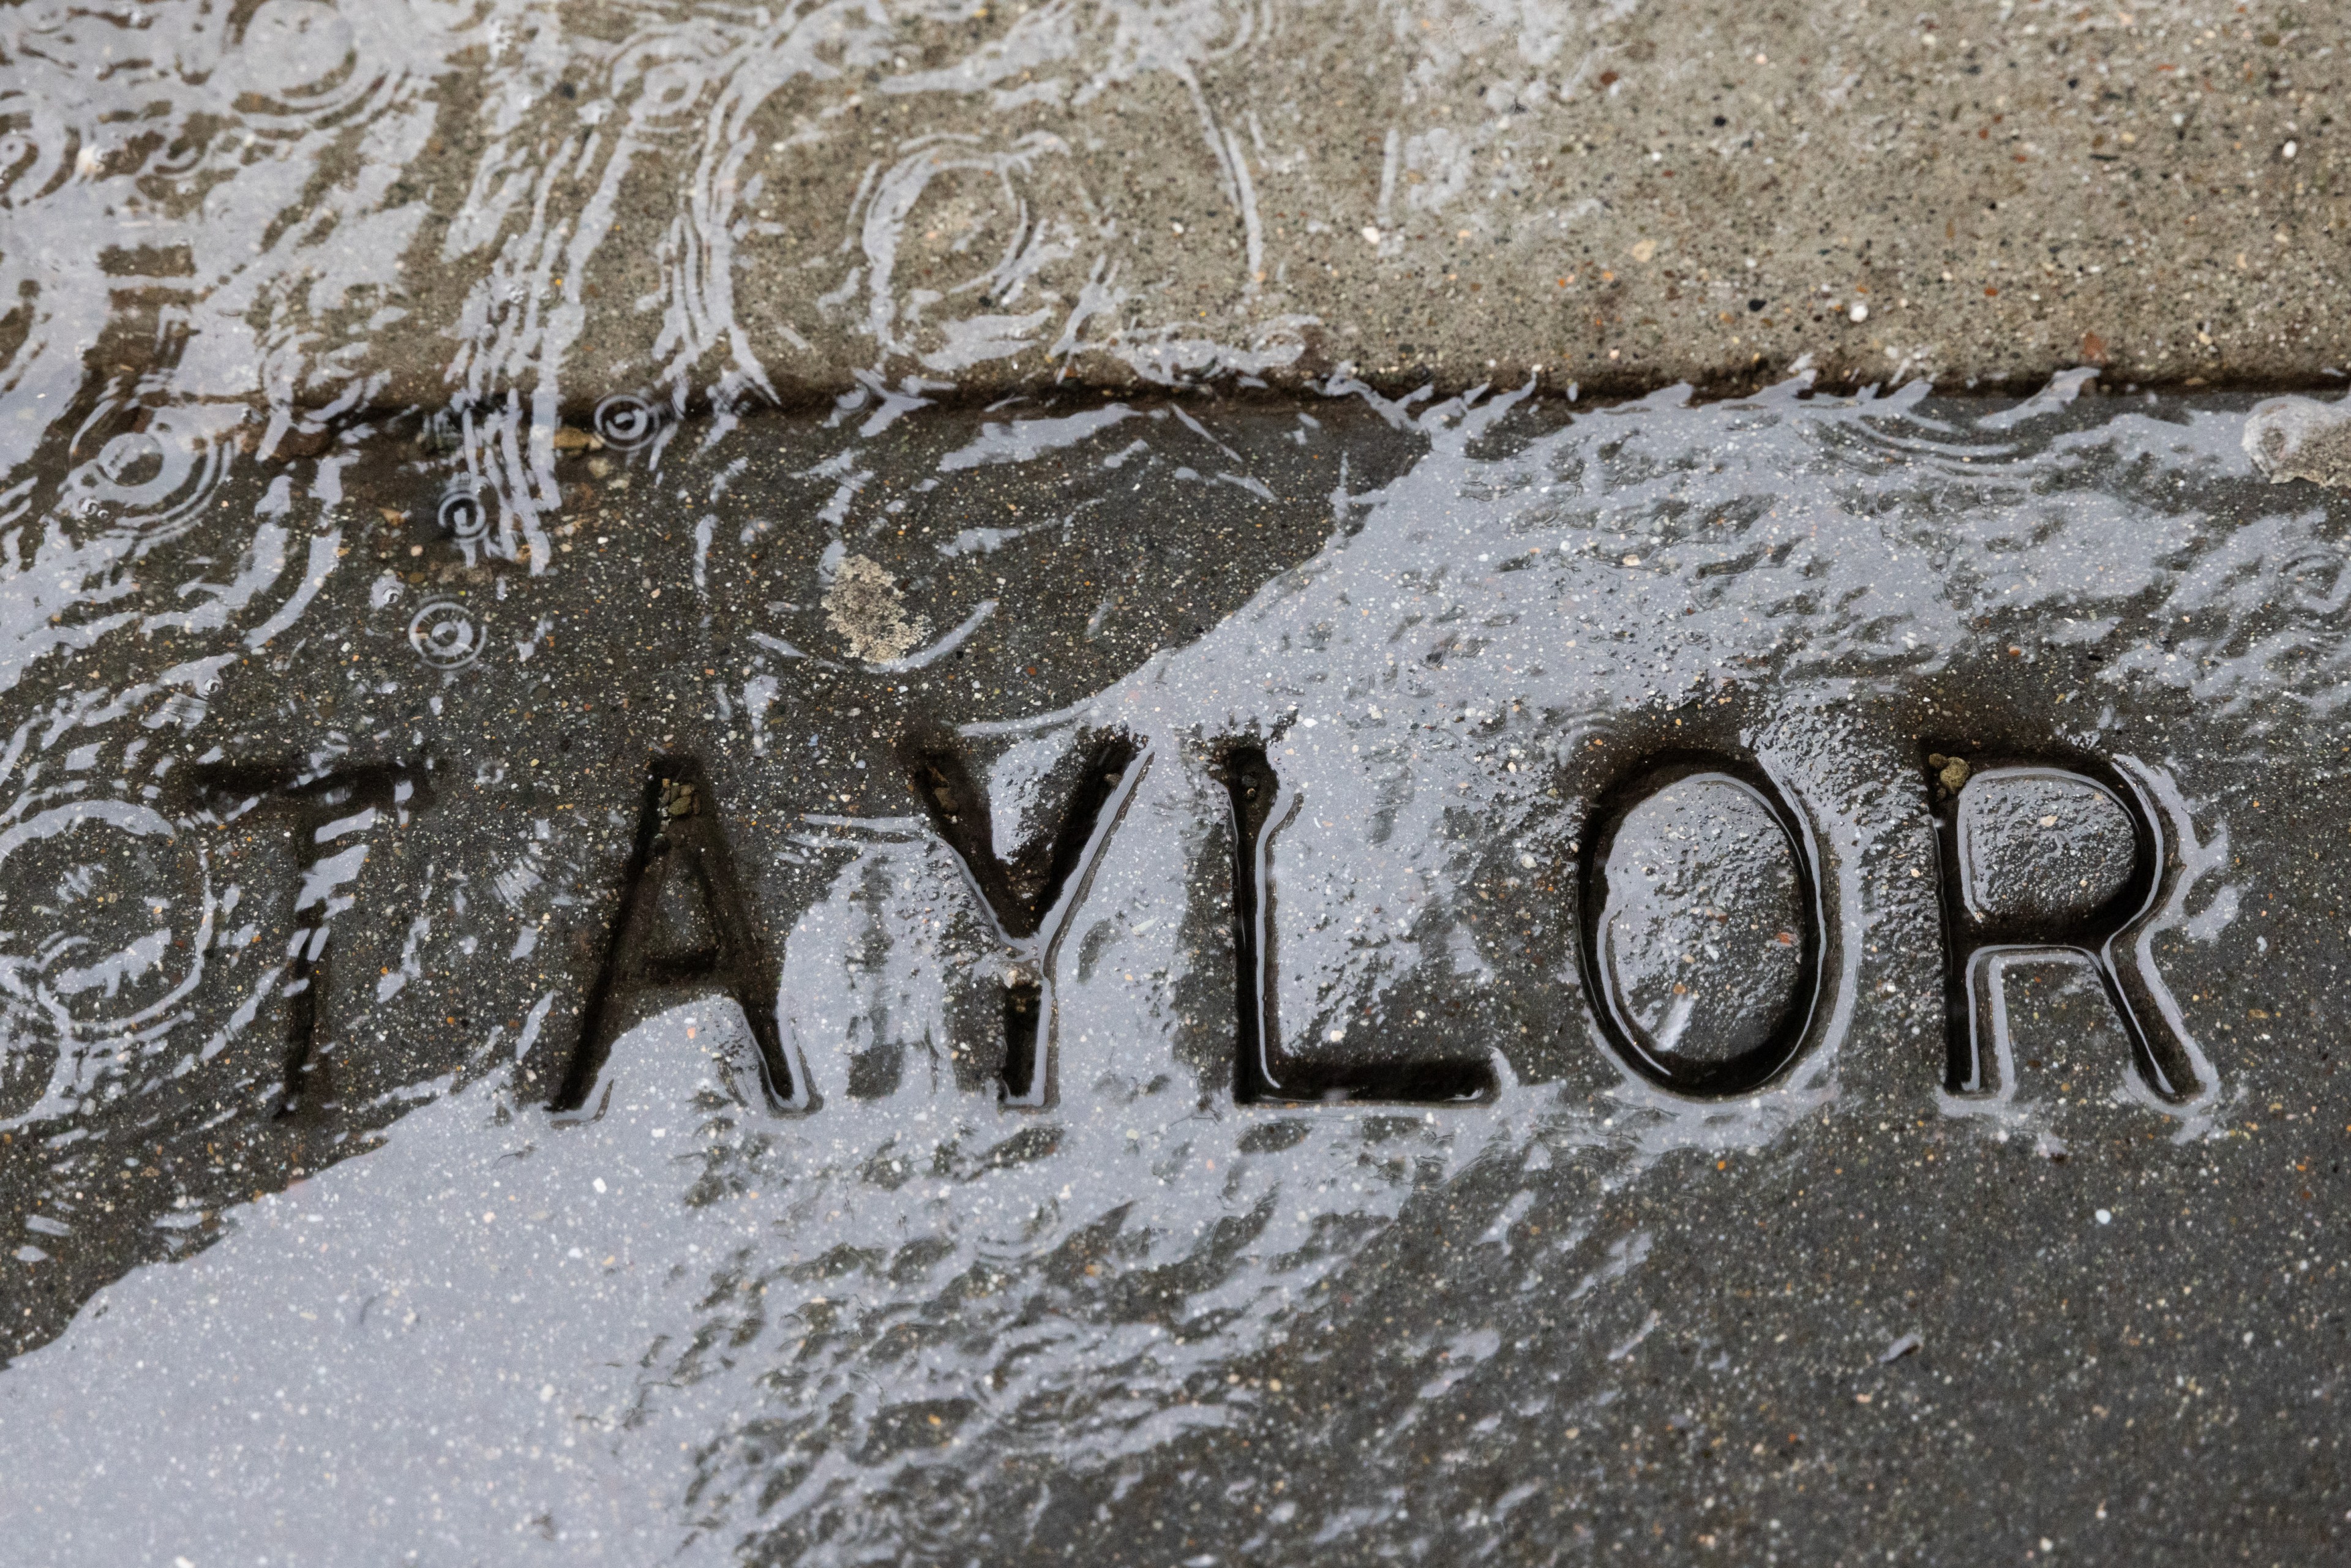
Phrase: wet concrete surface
pixel 828 786
pixel 318 210
pixel 721 991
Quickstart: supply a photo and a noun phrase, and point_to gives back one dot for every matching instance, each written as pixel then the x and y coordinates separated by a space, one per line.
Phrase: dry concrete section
pixel 325 209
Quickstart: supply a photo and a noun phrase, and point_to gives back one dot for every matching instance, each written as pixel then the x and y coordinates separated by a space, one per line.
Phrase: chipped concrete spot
pixel 2301 438
pixel 865 605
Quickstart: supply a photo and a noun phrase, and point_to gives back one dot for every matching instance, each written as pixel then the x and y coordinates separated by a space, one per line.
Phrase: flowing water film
pixel 728 834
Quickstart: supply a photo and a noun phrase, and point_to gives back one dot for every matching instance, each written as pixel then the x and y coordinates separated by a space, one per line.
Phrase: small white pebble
pixel 1370 235
pixel 2106 1217
pixel 1859 313
pixel 2290 149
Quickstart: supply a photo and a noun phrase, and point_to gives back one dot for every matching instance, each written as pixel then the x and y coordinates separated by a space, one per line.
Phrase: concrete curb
pixel 1026 198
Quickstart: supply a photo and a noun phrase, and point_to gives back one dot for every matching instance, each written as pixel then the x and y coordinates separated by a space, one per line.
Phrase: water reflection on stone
pixel 835 1331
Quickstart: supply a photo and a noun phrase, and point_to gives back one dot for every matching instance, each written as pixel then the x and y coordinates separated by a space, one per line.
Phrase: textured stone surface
pixel 327 822
pixel 1705 924
pixel 393 522
pixel 325 210
pixel 2040 847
